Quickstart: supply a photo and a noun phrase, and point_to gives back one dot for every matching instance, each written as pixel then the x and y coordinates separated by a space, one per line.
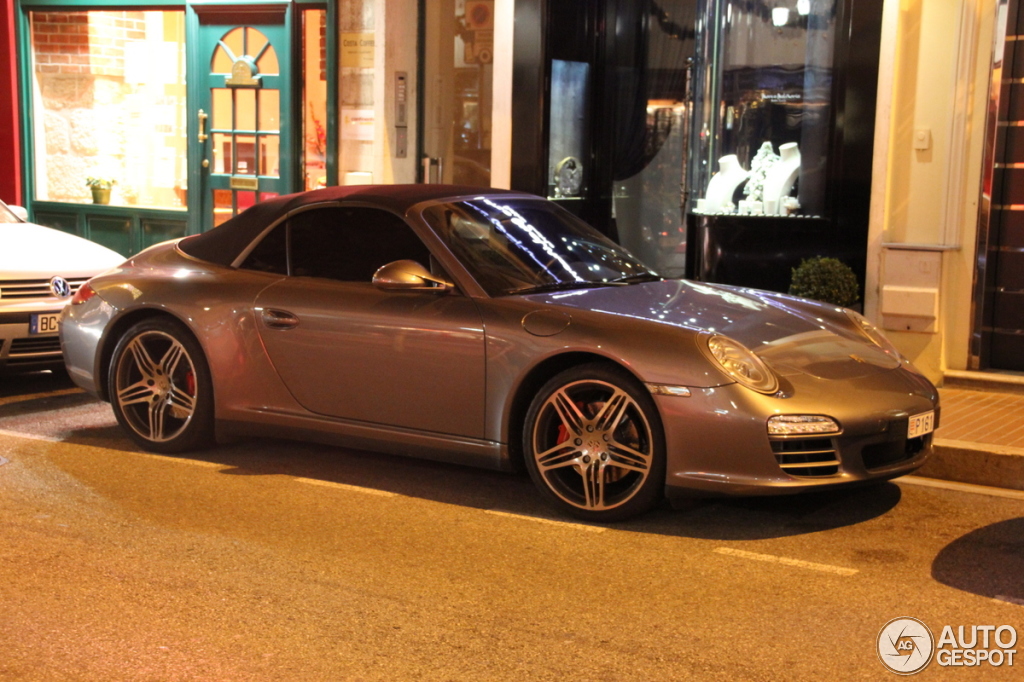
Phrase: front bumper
pixel 21 351
pixel 81 333
pixel 718 443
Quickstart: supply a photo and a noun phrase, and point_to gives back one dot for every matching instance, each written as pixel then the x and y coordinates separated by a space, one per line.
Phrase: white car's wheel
pixel 594 445
pixel 160 389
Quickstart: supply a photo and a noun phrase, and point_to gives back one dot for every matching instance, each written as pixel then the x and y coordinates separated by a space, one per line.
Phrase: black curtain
pixel 650 44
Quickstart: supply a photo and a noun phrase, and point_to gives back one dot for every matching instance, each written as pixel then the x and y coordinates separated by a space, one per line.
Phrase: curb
pixel 998 466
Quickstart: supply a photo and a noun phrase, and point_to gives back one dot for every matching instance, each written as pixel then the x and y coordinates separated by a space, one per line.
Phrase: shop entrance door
pixel 458 77
pixel 243 131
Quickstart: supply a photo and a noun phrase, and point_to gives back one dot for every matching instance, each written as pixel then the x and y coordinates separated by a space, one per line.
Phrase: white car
pixel 40 270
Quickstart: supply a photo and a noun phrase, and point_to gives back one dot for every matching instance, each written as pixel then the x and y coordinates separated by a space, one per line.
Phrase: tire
pixel 594 445
pixel 160 388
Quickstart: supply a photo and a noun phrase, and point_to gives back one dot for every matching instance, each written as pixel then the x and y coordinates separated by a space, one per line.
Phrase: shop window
pixel 314 83
pixel 767 111
pixel 109 103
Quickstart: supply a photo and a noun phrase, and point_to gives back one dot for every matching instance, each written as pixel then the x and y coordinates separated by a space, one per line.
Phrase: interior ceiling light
pixel 780 16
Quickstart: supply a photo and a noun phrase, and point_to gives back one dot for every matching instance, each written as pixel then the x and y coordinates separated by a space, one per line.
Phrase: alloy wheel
pixel 592 445
pixel 155 386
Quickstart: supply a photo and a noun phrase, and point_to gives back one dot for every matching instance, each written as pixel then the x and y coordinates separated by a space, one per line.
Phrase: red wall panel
pixel 10 129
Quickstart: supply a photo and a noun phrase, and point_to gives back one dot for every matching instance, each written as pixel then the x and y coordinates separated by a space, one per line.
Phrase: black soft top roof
pixel 224 243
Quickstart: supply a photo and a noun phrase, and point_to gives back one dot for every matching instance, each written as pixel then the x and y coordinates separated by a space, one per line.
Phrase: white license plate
pixel 921 424
pixel 44 323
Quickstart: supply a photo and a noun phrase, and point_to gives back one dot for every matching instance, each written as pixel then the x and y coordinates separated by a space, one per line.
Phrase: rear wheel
pixel 594 444
pixel 160 388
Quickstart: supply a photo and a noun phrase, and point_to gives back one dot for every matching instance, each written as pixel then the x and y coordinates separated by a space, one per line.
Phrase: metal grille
pixel 20 289
pixel 811 457
pixel 33 348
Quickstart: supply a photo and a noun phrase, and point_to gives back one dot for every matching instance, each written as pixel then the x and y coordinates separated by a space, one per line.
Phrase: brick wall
pixel 84 43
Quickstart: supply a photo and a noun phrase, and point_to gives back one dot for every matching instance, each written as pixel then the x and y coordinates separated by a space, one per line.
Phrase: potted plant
pixel 827 280
pixel 100 189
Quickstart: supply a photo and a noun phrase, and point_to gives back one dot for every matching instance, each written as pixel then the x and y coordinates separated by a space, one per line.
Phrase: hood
pixel 29 251
pixel 793 335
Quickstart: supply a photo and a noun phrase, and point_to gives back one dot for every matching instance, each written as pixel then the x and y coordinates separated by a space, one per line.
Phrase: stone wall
pixel 79 63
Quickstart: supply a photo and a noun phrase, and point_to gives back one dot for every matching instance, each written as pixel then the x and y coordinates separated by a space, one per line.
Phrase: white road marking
pixel 550 522
pixel 798 563
pixel 9 400
pixel 962 487
pixel 345 486
pixel 181 460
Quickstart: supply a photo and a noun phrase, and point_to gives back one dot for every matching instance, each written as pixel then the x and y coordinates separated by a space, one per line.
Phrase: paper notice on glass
pixel 357 124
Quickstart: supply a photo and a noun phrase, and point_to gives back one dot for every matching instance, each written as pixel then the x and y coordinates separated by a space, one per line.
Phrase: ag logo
pixel 905 646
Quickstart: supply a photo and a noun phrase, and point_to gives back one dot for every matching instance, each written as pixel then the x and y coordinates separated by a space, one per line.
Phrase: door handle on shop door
pixel 279 319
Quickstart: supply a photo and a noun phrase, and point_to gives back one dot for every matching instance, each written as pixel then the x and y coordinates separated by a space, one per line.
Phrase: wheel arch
pixel 532 381
pixel 117 330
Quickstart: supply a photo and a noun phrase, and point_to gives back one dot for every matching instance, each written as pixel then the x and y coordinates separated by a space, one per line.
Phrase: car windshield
pixel 519 245
pixel 6 215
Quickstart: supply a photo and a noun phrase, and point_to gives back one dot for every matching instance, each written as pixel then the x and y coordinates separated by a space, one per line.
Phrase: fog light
pixel 796 424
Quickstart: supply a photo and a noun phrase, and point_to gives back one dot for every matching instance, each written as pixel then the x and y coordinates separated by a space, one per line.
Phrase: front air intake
pixel 806 457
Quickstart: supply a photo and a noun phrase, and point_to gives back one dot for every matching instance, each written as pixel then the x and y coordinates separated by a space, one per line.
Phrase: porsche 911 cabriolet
pixel 492 328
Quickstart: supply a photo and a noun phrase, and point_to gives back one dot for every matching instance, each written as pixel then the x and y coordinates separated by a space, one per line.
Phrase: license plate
pixel 921 424
pixel 44 323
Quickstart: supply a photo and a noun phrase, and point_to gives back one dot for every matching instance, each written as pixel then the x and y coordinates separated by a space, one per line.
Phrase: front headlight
pixel 874 335
pixel 740 363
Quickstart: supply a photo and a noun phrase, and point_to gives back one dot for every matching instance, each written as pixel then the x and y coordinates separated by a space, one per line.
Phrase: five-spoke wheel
pixel 159 386
pixel 594 445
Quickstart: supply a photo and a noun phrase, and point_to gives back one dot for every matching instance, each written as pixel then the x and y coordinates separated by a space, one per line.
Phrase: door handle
pixel 429 164
pixel 279 319
pixel 202 125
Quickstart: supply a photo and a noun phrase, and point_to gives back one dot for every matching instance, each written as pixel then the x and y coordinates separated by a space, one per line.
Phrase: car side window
pixel 350 244
pixel 271 254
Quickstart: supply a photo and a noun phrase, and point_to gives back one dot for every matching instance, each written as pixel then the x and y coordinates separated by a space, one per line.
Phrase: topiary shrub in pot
pixel 827 280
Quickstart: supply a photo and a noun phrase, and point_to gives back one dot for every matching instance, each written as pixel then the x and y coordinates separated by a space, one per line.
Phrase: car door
pixel 347 349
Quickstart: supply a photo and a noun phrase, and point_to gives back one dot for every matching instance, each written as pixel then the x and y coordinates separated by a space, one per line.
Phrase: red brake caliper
pixel 190 383
pixel 563 433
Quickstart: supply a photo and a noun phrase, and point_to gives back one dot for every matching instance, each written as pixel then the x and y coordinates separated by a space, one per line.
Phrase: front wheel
pixel 594 445
pixel 160 388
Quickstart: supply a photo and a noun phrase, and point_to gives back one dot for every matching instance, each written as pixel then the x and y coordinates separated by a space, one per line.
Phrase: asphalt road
pixel 270 560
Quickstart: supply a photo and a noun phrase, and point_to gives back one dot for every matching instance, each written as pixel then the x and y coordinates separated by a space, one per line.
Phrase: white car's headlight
pixel 874 335
pixel 740 363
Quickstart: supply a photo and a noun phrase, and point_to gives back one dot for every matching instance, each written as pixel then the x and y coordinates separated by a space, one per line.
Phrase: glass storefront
pixel 765 109
pixel 458 91
pixel 109 104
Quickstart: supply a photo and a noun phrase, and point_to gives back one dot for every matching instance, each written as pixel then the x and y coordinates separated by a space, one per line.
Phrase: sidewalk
pixel 980 438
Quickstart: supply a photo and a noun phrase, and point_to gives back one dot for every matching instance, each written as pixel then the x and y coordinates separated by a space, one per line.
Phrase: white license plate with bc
pixel 44 323
pixel 921 424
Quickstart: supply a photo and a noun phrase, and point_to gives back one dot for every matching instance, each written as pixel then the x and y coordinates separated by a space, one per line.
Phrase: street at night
pixel 273 560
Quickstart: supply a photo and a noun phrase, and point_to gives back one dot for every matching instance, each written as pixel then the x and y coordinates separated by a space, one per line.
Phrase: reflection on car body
pixel 492 328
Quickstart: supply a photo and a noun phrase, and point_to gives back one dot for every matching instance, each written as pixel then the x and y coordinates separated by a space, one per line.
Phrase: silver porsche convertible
pixel 495 329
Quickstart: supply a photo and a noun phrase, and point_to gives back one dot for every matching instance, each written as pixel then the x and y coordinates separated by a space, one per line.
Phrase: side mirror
pixel 408 275
pixel 19 211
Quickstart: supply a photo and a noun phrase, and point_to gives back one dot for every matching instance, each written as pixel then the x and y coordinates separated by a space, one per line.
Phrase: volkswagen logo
pixel 60 287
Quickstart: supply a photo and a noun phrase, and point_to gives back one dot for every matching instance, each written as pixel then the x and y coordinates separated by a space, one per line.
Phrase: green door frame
pixel 278 25
pixel 76 217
